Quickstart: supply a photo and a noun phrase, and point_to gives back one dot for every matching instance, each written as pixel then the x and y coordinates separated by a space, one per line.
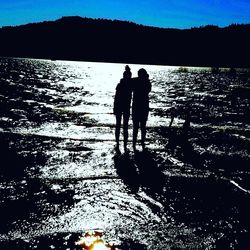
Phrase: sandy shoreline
pixel 61 175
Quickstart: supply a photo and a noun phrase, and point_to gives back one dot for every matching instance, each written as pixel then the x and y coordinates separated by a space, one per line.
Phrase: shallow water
pixel 60 174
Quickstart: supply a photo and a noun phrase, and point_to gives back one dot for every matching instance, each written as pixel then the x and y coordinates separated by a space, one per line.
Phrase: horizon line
pixel 120 20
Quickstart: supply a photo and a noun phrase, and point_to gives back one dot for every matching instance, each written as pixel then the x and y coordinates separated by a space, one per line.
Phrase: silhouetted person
pixel 140 106
pixel 122 106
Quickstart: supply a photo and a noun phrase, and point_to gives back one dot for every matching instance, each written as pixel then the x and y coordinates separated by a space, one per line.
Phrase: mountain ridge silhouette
pixel 103 40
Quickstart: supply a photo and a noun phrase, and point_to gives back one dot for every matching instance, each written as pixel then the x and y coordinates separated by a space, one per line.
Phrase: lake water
pixel 60 175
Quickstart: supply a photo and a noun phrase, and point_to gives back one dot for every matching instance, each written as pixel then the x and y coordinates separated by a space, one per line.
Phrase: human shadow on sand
pixel 150 175
pixel 140 170
pixel 127 171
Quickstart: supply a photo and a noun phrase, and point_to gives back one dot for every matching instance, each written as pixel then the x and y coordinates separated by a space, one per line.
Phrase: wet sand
pixel 60 175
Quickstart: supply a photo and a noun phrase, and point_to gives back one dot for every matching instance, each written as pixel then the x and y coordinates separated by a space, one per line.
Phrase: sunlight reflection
pixel 92 240
pixel 99 245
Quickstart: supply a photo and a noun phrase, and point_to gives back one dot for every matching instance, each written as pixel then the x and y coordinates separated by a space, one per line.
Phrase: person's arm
pixel 149 86
pixel 116 99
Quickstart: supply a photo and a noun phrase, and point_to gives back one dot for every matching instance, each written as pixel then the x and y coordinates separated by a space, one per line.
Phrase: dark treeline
pixel 76 38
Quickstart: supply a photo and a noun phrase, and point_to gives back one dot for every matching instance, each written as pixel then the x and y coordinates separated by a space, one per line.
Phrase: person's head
pixel 127 73
pixel 127 68
pixel 142 73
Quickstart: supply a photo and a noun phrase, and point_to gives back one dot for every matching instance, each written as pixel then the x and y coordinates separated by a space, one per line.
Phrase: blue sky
pixel 161 13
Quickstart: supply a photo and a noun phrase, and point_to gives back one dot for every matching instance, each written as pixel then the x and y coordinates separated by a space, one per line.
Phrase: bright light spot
pixel 86 241
pixel 99 246
pixel 92 240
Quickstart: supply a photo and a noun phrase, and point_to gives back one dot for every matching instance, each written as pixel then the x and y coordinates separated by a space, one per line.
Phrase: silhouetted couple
pixel 139 88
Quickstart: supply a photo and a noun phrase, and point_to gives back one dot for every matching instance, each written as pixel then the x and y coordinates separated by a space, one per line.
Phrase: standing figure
pixel 140 106
pixel 122 106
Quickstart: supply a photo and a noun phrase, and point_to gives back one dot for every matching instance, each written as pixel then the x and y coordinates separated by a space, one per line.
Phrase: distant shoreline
pixel 100 40
pixel 180 68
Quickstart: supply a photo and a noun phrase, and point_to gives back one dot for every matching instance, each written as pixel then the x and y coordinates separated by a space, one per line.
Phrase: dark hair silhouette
pixel 142 73
pixel 122 106
pixel 140 106
pixel 127 73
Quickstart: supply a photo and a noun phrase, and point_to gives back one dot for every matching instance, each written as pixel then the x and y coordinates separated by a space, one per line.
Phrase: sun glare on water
pixel 99 246
pixel 92 240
